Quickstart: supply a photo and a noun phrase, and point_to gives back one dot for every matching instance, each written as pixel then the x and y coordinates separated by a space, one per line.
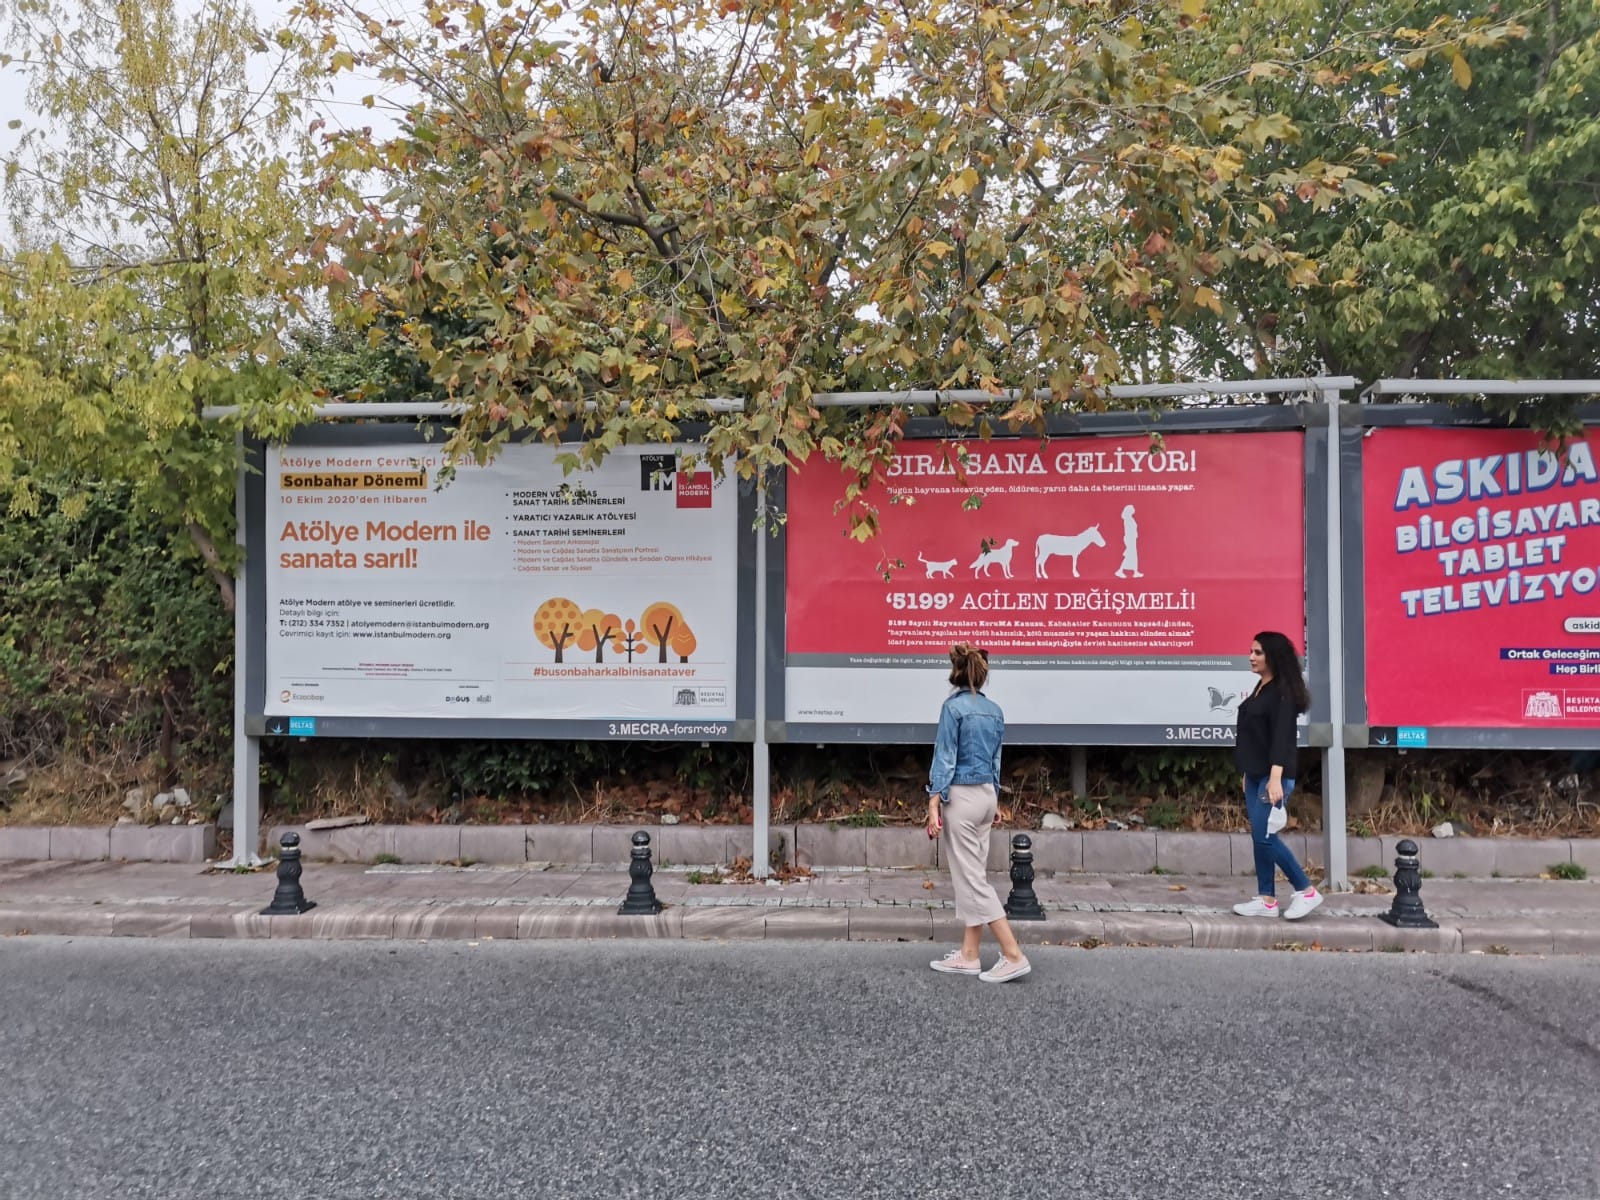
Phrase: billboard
pixel 1116 581
pixel 1480 553
pixel 605 600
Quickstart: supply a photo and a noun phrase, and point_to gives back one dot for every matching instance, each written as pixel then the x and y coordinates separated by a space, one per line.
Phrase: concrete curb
pixel 831 846
pixel 898 923
pixel 97 843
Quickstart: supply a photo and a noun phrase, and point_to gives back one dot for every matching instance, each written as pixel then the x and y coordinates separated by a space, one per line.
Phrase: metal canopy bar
pixel 345 411
pixel 1483 387
pixel 1119 391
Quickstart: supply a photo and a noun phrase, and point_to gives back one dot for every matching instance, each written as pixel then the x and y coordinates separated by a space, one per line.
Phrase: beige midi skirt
pixel 968 818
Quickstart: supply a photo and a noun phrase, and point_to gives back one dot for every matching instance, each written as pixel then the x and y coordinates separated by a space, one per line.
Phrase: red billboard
pixel 1481 552
pixel 1142 568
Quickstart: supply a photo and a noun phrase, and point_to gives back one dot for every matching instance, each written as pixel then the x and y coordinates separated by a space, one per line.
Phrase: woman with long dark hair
pixel 1264 750
pixel 963 793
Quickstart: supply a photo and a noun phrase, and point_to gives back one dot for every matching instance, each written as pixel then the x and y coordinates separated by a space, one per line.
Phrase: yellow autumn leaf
pixel 939 249
pixel 1204 297
pixel 1460 71
pixel 642 371
pixel 1193 9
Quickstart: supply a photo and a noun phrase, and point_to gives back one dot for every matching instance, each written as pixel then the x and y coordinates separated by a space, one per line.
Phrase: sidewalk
pixel 440 902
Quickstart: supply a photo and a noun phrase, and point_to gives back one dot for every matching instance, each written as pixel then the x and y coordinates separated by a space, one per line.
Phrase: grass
pixel 1159 871
pixel 698 876
pixel 1427 874
pixel 867 818
pixel 1497 948
pixel 1458 874
pixel 1569 870
pixel 385 859
pixel 1391 949
pixel 1373 872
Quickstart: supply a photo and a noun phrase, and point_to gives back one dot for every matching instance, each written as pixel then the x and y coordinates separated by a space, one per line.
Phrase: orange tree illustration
pixel 556 623
pixel 600 627
pixel 630 641
pixel 683 643
pixel 659 622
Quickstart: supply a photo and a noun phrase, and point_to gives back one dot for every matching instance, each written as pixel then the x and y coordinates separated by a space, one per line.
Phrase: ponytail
pixel 969 666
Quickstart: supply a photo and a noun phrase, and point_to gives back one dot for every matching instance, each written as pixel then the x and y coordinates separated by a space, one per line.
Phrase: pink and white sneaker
pixel 954 964
pixel 1257 906
pixel 1302 903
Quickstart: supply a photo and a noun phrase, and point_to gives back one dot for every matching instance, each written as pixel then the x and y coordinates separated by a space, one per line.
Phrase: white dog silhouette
pixel 1050 545
pixel 943 569
pixel 994 554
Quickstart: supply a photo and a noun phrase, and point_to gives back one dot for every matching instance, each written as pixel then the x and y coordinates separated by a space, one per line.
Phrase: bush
pixel 113 646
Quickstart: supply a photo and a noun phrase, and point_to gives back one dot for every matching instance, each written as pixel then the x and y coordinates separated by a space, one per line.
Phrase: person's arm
pixel 943 771
pixel 998 743
pixel 1281 742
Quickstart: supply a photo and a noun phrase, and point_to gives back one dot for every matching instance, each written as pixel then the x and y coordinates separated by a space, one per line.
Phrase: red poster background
pixel 1225 538
pixel 1449 668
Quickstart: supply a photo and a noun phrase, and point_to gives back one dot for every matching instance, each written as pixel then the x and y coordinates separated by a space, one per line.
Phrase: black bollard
pixel 1022 904
pixel 290 899
pixel 641 898
pixel 1407 912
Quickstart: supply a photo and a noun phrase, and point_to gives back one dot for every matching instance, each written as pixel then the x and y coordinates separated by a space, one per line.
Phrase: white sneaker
pixel 1256 906
pixel 954 964
pixel 1005 970
pixel 1302 903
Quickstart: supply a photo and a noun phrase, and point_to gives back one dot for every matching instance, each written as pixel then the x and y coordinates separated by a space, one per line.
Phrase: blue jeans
pixel 1270 851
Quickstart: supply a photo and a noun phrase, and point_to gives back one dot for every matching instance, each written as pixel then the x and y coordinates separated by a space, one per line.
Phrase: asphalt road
pixel 133 1068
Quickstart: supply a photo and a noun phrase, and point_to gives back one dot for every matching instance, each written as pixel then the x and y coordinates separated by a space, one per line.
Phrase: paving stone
pixel 1147 929
pixel 164 843
pixel 57 922
pixel 830 846
pixel 748 922
pixel 578 845
pixel 494 843
pixel 358 844
pixel 1519 858
pixel 1363 852
pixel 18 842
pixel 1118 853
pixel 1517 937
pixel 1576 938
pixel 80 843
pixel 1236 933
pixel 150 924
pixel 1444 940
pixel 598 923
pixel 436 922
pixel 427 843
pixel 741 843
pixel 1193 853
pixel 249 924
pixel 880 924
pixel 829 923
pixel 1585 852
pixel 490 924
pixel 1473 857
pixel 688 845
pixel 897 846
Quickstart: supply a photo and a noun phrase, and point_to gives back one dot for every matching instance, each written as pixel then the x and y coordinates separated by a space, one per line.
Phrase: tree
pixel 683 643
pixel 659 622
pixel 165 248
pixel 600 627
pixel 604 215
pixel 1469 247
pixel 557 622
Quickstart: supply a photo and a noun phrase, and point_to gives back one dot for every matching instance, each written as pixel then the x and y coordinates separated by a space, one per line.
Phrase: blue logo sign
pixel 302 727
pixel 1413 736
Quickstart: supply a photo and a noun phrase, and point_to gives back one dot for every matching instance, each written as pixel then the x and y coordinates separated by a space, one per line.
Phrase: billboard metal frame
pixel 1356 422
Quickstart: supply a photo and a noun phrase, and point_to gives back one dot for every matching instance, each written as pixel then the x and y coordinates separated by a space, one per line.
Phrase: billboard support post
pixel 761 767
pixel 246 749
pixel 1335 848
pixel 1080 772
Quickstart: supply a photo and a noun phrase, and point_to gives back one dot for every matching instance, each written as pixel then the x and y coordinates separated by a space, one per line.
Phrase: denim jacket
pixel 967 746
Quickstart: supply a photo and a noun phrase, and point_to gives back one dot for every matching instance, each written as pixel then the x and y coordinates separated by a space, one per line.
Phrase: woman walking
pixel 1264 750
pixel 963 791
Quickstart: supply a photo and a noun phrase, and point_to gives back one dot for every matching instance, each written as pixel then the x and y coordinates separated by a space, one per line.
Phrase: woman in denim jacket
pixel 964 784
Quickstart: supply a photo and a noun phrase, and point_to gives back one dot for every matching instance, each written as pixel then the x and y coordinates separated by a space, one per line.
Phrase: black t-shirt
pixel 1266 734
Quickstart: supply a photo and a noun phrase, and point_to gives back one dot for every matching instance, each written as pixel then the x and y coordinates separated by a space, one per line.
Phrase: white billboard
pixel 510 591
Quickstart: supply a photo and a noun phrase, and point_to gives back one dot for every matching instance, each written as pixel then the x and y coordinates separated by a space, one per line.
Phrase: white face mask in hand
pixel 1277 817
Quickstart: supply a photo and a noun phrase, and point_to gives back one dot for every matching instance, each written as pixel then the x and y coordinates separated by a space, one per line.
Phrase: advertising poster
pixel 1115 581
pixel 1481 552
pixel 511 590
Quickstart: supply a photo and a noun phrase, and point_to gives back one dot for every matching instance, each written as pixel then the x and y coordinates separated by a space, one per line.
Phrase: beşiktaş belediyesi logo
pixel 657 472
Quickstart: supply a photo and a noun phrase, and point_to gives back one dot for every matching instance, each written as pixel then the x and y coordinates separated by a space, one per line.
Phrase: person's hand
pixel 935 823
pixel 1275 792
